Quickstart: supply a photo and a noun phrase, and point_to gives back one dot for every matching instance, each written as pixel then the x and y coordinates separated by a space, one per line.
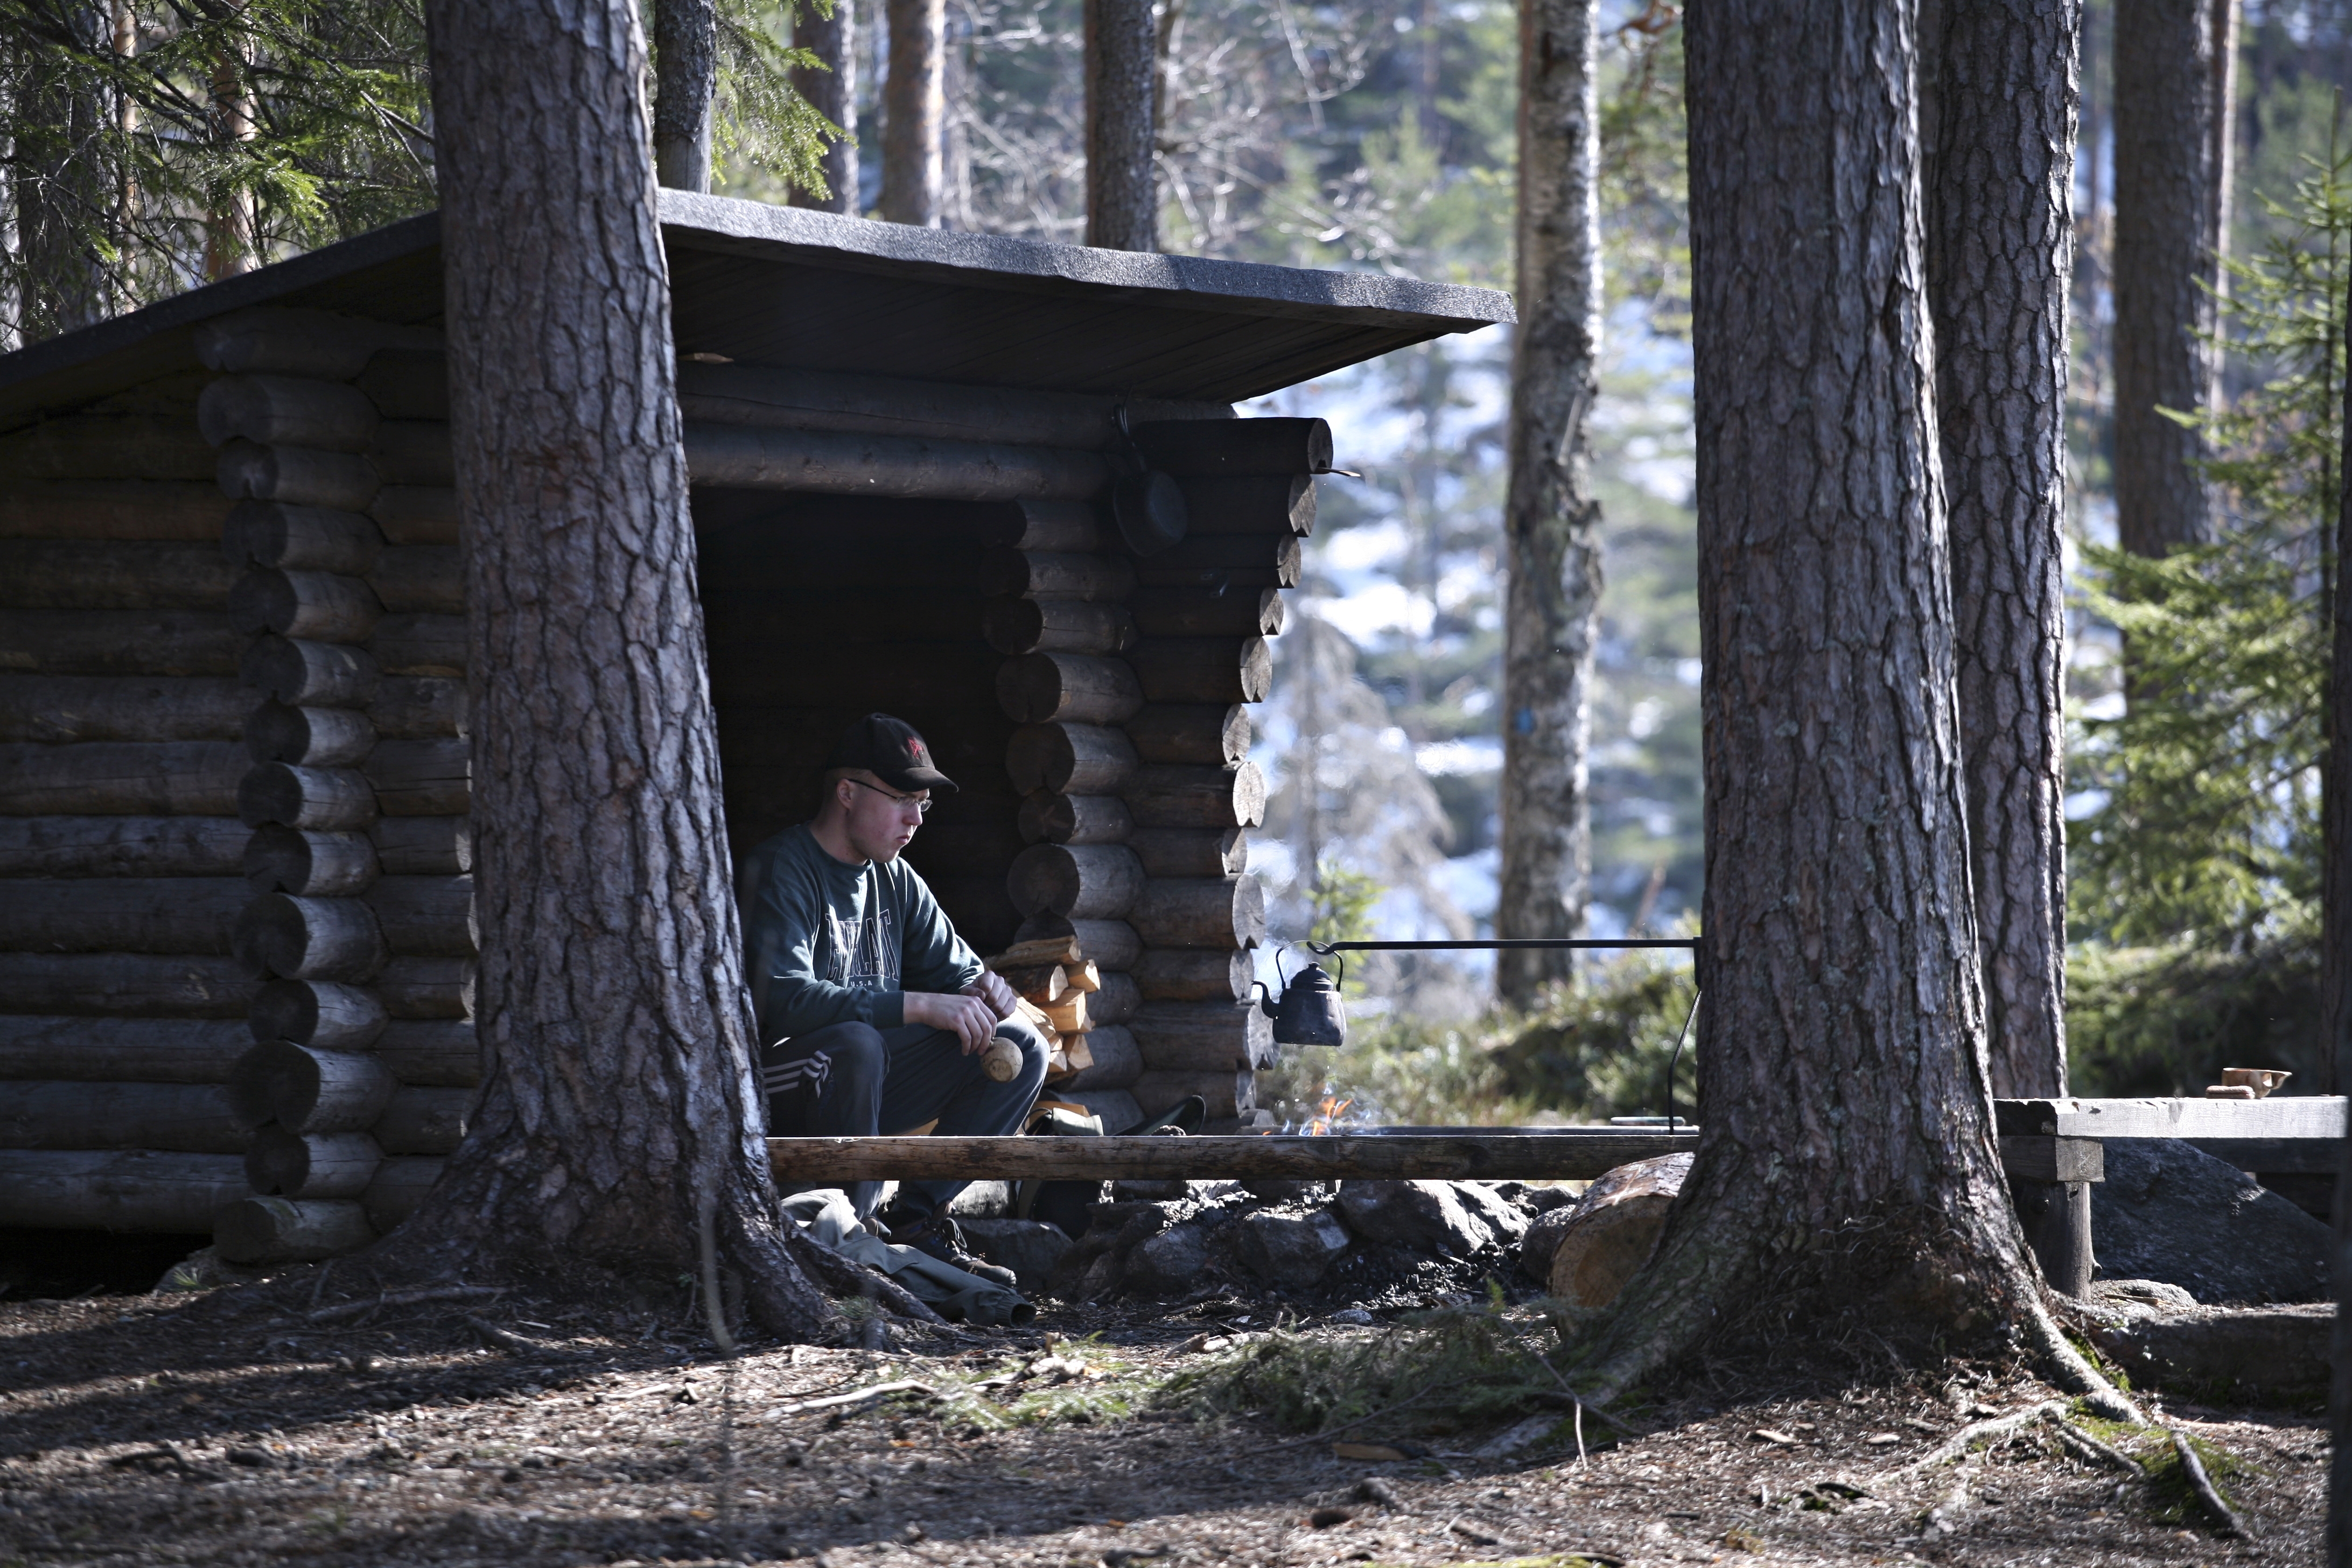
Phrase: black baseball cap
pixel 890 750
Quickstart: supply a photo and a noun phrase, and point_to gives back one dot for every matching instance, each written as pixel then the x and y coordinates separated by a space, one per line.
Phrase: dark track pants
pixel 895 1080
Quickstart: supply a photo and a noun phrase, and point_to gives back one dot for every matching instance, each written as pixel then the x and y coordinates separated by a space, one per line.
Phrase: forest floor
pixel 234 1431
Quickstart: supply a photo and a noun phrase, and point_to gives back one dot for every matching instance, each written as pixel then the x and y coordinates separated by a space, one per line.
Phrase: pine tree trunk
pixel 2336 995
pixel 617 1103
pixel 1846 1162
pixel 2171 143
pixel 914 108
pixel 686 69
pixel 832 92
pixel 1550 519
pixel 1122 57
pixel 2001 224
pixel 59 179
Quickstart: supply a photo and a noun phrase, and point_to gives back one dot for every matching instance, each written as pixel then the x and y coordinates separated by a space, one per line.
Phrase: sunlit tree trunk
pixel 1122 59
pixel 686 70
pixel 230 221
pixel 832 92
pixel 914 110
pixel 1551 522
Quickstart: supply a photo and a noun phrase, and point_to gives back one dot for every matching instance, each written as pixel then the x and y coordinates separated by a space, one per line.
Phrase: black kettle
pixel 1310 1013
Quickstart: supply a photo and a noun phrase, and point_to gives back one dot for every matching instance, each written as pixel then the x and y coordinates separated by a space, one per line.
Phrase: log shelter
pixel 236 953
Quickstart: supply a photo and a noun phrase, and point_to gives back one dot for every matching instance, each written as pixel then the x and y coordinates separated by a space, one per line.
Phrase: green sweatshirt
pixel 829 943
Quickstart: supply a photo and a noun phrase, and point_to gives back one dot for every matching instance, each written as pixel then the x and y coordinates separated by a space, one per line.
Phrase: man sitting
pixel 873 1013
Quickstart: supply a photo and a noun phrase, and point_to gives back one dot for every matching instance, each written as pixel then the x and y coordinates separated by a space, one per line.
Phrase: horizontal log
pixel 1016 626
pixel 1282 446
pixel 283 1164
pixel 427 987
pixel 291 938
pixel 1228 1094
pixel 1069 759
pixel 1051 688
pixel 298 475
pixel 319 605
pixel 1202 1036
pixel 1220 798
pixel 2282 1116
pixel 287 1230
pixel 113 508
pixel 1226 560
pixel 301 538
pixel 110 574
pixel 122 846
pixel 411 643
pixel 1250 503
pixel 1074 819
pixel 417 514
pixel 1190 851
pixel 423 1121
pixel 399 1187
pixel 424 916
pixel 121 778
pixel 280 859
pixel 1092 881
pixel 841 463
pixel 1191 974
pixel 286 411
pixel 320 1013
pixel 120 1051
pixel 325 800
pixel 163 446
pixel 407 385
pixel 1061 526
pixel 1212 913
pixel 141 1191
pixel 1219 671
pixel 124 984
pixel 309 674
pixel 1115 1000
pixel 62 708
pixel 118 642
pixel 1568 1154
pixel 308 737
pixel 1041 574
pixel 414 452
pixel 282 341
pixel 2045 1159
pixel 437 1054
pixel 121 914
pixel 778 398
pixel 1212 735
pixel 417 707
pixel 1107 944
pixel 421 579
pixel 1117 1063
pixel 305 1091
pixel 421 778
pixel 1186 613
pixel 189 1118
pixel 424 845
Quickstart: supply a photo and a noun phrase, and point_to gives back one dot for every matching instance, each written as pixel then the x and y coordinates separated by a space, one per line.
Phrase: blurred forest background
pixel 151 146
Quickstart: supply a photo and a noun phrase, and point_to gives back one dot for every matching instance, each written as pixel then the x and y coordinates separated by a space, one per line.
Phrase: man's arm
pixel 782 914
pixel 946 986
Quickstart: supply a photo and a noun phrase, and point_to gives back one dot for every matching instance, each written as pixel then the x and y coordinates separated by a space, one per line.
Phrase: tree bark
pixel 686 76
pixel 2001 217
pixel 617 1108
pixel 2336 1001
pixel 914 112
pixel 1123 62
pixel 832 92
pixel 2171 144
pixel 1551 519
pixel 1846 1162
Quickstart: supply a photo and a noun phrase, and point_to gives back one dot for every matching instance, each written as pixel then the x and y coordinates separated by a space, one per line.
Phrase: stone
pixel 1504 1217
pixel 1281 1190
pixel 1172 1263
pixel 1149 1191
pixel 1614 1228
pixel 2171 1212
pixel 1542 1239
pixel 982 1200
pixel 1292 1254
pixel 1030 1248
pixel 1091 1270
pixel 2222 1355
pixel 1422 1217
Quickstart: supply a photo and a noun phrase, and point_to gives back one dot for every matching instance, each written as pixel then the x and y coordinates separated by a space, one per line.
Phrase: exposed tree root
pixel 2085 1447
pixel 2201 1484
pixel 2070 1372
pixel 1959 1444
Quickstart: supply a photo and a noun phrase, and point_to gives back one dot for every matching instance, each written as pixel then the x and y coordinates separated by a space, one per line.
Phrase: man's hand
pixel 991 989
pixel 968 1018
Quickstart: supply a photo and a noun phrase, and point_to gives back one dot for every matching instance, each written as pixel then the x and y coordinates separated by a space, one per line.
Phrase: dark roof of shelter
pixel 785 286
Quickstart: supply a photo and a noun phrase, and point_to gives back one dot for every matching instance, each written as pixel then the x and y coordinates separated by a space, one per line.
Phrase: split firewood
pixel 1042 984
pixel 1069 1016
pixel 1078 1053
pixel 1083 975
pixel 1062 950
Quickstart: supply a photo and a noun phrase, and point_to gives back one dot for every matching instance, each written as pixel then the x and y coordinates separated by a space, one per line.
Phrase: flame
pixel 1324 1122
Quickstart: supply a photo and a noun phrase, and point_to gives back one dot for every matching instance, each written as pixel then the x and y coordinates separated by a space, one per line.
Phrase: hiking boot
pixel 937 1235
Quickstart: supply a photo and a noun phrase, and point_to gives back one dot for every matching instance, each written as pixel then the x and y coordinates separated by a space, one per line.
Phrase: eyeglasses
pixel 922 807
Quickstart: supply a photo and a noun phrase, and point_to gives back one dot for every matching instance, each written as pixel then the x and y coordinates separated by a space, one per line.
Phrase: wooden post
pixel 914 112
pixel 1121 67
